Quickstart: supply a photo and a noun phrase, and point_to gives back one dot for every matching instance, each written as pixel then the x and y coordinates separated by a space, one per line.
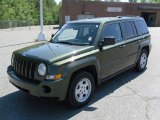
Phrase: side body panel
pixel 111 60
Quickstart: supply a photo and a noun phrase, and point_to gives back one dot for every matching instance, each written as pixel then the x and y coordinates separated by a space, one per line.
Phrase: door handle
pixel 122 46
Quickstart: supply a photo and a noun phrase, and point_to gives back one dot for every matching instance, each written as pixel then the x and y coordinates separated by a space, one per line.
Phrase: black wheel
pixel 81 89
pixel 142 61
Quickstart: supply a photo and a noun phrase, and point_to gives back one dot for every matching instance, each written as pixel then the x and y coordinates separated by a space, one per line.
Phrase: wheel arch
pixel 89 64
pixel 91 69
pixel 146 48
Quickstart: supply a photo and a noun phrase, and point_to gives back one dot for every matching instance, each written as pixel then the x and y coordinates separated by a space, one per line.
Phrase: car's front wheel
pixel 142 61
pixel 81 89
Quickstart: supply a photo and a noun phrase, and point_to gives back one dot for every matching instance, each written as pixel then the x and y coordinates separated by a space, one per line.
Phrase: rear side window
pixel 141 27
pixel 113 30
pixel 128 29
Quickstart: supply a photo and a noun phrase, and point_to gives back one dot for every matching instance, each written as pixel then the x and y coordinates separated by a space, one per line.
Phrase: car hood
pixel 52 52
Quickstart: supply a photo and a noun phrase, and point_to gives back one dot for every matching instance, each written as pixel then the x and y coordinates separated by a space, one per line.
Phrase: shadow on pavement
pixel 20 106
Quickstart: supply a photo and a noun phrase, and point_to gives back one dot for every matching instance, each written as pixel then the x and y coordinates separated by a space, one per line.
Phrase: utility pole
pixel 42 35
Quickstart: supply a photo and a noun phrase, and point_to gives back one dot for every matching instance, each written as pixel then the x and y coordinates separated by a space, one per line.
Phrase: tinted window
pixel 128 29
pixel 113 30
pixel 134 28
pixel 141 27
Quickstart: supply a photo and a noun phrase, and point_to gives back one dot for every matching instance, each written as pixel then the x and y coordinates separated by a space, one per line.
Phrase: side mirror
pixel 108 40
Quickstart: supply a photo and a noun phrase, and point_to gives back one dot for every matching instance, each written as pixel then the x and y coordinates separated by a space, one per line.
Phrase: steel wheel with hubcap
pixel 142 61
pixel 81 89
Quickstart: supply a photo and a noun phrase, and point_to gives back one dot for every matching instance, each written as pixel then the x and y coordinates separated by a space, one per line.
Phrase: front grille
pixel 24 67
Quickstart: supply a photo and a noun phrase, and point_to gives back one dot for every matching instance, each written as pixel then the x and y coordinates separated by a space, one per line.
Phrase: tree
pixel 132 0
pixel 29 10
pixel 154 1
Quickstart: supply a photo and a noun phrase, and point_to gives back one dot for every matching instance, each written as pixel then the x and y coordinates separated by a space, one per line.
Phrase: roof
pixel 105 19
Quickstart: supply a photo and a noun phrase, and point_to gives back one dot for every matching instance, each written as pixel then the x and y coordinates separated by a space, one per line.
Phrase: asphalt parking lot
pixel 129 96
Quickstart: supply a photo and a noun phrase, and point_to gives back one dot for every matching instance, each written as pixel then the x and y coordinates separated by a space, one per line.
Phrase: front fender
pixel 82 63
pixel 79 64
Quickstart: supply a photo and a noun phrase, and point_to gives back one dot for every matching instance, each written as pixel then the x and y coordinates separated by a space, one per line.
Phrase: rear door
pixel 132 44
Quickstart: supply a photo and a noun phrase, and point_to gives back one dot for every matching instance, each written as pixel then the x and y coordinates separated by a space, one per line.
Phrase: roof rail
pixel 128 16
pixel 132 16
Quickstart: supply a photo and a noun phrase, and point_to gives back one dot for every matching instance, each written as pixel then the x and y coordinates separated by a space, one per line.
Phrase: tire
pixel 81 89
pixel 142 61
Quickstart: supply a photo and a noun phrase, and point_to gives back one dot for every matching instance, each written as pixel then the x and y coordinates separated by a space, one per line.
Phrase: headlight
pixel 42 69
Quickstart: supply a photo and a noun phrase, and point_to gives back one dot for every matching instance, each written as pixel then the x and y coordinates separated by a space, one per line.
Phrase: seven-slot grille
pixel 24 67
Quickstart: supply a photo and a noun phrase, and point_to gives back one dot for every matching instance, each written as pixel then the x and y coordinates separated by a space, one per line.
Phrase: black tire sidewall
pixel 139 68
pixel 71 99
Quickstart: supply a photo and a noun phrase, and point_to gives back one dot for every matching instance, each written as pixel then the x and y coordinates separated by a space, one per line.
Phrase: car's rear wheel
pixel 81 89
pixel 142 61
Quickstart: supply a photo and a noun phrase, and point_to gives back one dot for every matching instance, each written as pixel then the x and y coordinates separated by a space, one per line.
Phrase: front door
pixel 112 57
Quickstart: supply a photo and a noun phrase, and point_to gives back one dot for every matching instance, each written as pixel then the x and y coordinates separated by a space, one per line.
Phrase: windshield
pixel 77 34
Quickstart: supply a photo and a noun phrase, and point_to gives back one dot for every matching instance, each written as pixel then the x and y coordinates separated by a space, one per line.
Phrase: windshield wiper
pixel 64 42
pixel 72 43
pixel 82 44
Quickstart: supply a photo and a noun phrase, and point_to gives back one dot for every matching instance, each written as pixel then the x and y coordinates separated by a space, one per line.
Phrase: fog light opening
pixel 46 89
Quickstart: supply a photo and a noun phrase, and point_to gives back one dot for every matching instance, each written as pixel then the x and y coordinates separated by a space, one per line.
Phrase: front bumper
pixel 57 88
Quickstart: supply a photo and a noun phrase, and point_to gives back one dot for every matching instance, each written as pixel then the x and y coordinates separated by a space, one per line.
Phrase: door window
pixel 128 29
pixel 113 30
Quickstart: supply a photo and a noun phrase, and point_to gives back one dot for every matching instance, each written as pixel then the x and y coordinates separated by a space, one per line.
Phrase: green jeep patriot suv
pixel 80 56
